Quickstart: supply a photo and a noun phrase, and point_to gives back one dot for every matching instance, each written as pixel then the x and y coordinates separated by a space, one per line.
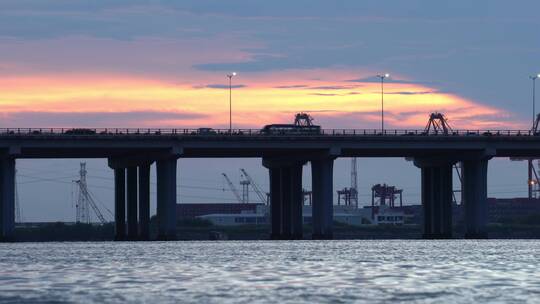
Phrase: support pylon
pixel 85 200
pixel 18 209
pixel 83 212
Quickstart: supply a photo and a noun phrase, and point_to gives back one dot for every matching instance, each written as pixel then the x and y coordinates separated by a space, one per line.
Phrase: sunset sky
pixel 164 64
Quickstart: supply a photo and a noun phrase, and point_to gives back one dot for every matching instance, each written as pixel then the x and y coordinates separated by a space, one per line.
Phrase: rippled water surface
pixel 298 272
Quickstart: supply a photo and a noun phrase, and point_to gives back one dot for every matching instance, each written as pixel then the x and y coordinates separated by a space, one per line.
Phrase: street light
pixel 533 78
pixel 382 77
pixel 230 100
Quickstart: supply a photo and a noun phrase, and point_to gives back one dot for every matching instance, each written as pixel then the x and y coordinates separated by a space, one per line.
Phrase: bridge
pixel 130 152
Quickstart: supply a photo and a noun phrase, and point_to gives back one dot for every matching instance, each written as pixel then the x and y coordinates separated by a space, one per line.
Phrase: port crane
pixel 233 188
pixel 85 200
pixel 255 187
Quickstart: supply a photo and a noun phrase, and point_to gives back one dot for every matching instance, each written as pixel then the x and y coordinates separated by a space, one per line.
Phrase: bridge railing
pixel 253 132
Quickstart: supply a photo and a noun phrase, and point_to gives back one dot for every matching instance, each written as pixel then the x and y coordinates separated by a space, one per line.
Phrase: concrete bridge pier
pixel 7 199
pixel 285 197
pixel 119 204
pixel 131 190
pixel 166 198
pixel 144 201
pixel 132 225
pixel 474 194
pixel 322 208
pixel 436 197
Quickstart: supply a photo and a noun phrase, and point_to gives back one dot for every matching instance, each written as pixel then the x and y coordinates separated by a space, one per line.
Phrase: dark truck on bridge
pixel 282 129
pixel 303 124
pixel 80 131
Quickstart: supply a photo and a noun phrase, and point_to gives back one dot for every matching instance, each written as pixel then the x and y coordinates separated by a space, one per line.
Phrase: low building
pixel 197 210
pixel 224 219
pixel 385 215
pixel 512 209
pixel 343 214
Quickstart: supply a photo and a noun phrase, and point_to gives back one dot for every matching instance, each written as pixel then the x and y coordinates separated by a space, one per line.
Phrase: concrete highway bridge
pixel 130 152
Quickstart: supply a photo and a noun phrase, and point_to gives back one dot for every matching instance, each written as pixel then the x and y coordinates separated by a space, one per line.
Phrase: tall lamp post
pixel 530 160
pixel 382 77
pixel 230 100
pixel 533 78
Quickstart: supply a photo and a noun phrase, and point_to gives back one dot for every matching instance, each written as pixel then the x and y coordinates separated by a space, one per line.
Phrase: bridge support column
pixel 285 198
pixel 436 197
pixel 322 186
pixel 120 204
pixel 275 203
pixel 144 202
pixel 132 203
pixel 166 198
pixel 474 190
pixel 7 199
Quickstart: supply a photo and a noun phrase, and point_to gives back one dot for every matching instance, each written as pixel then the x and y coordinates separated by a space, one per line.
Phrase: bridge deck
pixel 106 142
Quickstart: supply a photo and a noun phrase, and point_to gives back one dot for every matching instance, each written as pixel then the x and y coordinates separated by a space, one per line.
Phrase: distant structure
pixel 233 189
pixel 307 197
pixel 245 190
pixel 81 205
pixel 533 182
pixel 354 182
pixel 385 195
pixel 437 124
pixel 303 120
pixel 85 200
pixel 260 194
pixel 349 196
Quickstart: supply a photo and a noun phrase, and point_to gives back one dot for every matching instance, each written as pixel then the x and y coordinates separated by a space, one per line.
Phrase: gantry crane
pixel 255 187
pixel 233 188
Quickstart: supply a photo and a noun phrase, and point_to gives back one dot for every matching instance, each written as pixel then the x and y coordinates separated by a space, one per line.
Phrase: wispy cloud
pixel 388 80
pixel 332 87
pixel 411 93
pixel 335 94
pixel 294 86
pixel 220 86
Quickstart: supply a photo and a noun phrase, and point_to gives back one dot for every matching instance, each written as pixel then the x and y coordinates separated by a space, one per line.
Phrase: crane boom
pixel 255 187
pixel 233 188
pixel 92 203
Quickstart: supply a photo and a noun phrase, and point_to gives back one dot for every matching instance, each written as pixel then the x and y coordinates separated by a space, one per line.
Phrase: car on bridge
pixel 204 131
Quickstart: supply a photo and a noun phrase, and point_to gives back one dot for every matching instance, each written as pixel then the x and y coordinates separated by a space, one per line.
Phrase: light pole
pixel 230 100
pixel 533 78
pixel 382 77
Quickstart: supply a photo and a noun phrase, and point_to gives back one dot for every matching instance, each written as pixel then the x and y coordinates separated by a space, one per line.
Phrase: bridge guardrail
pixel 253 132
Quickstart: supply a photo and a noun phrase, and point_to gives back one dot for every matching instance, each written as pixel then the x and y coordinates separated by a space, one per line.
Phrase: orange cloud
pixel 265 98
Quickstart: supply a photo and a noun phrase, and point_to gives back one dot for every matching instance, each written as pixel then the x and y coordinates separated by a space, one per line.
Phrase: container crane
pixel 255 187
pixel 233 188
